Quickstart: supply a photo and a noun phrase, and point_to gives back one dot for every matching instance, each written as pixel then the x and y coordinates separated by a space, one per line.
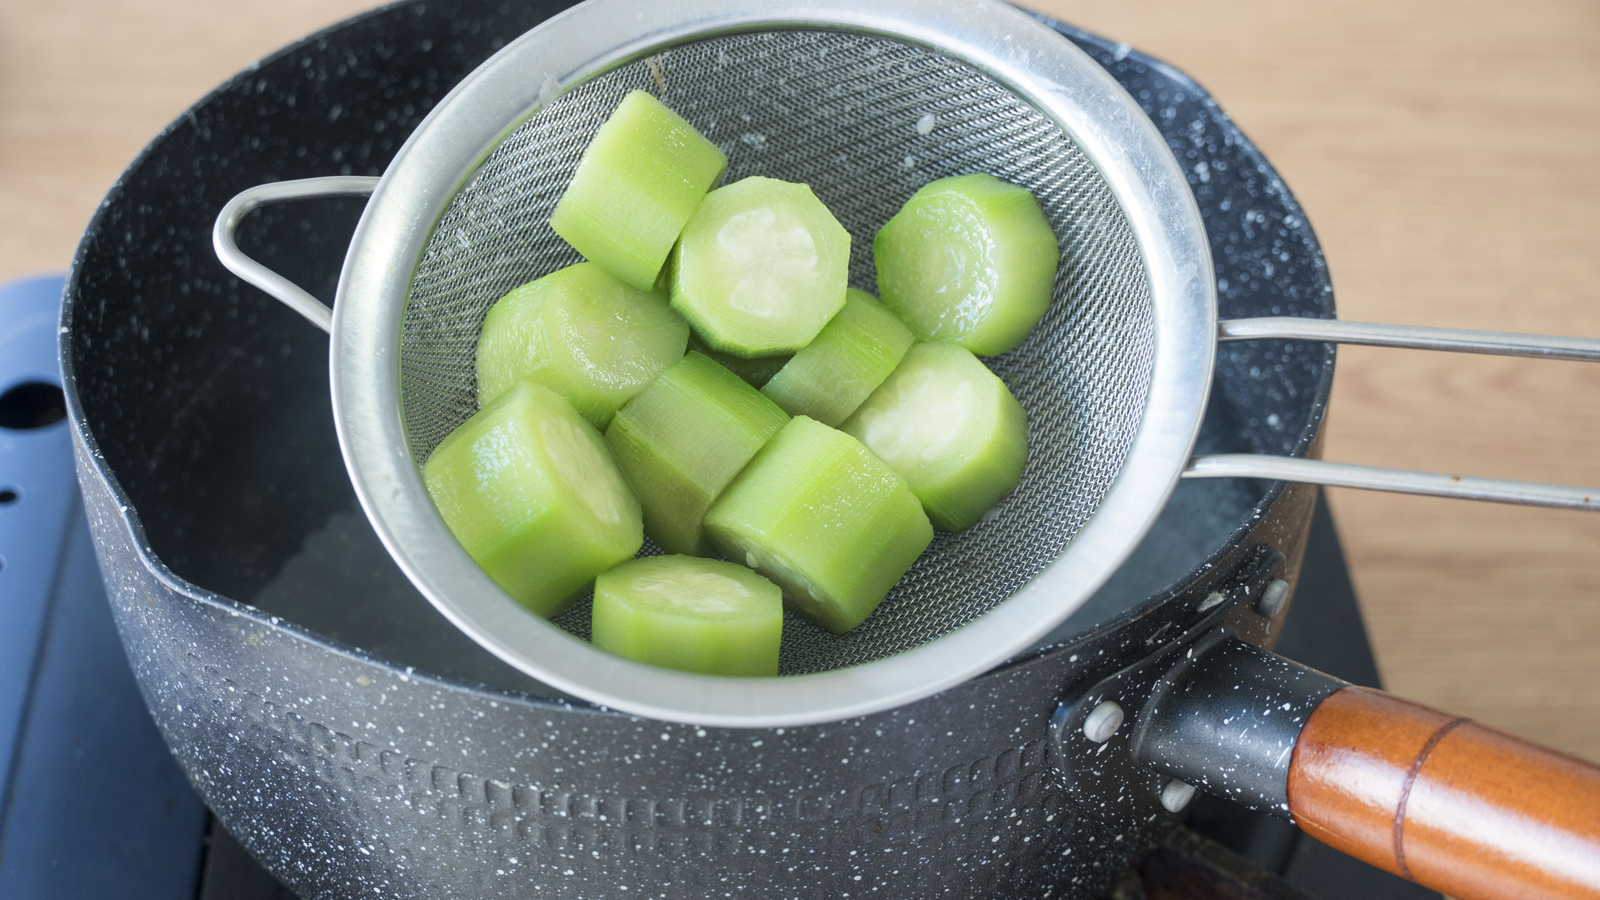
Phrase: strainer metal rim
pixel 1059 79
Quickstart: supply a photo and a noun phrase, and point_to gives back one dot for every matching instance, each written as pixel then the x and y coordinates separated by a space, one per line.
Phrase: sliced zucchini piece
pixel 697 615
pixel 969 260
pixel 825 519
pixel 530 490
pixel 682 439
pixel 849 358
pixel 760 268
pixel 757 371
pixel 951 428
pixel 584 335
pixel 637 184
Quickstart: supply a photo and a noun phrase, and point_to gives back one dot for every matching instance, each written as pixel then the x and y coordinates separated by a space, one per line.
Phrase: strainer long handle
pixel 1411 337
pixel 1373 478
pixel 1436 484
pixel 262 277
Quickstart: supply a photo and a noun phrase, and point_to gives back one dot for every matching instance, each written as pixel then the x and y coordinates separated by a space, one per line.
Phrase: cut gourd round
pixel 531 492
pixel 584 335
pixel 682 439
pixel 951 428
pixel 850 357
pixel 756 371
pixel 968 260
pixel 824 519
pixel 637 184
pixel 696 615
pixel 760 268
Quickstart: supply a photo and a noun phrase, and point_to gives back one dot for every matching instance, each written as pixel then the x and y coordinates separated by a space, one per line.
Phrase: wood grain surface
pixel 1446 802
pixel 1444 151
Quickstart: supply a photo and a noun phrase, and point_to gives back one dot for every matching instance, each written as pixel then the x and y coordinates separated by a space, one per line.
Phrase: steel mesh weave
pixel 840 112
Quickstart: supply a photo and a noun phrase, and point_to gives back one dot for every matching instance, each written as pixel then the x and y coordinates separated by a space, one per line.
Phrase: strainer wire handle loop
pixel 1436 484
pixel 291 294
pixel 1242 465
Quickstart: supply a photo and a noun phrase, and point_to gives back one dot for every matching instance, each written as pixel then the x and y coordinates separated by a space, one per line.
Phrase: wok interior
pixel 840 112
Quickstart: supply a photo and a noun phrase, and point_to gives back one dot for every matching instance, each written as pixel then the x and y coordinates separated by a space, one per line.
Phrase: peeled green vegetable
pixel 968 260
pixel 825 519
pixel 850 357
pixel 698 615
pixel 584 335
pixel 682 439
pixel 760 268
pixel 951 428
pixel 639 181
pixel 529 489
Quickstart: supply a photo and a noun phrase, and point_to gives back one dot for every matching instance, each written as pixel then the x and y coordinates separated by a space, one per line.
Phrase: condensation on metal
pixel 841 113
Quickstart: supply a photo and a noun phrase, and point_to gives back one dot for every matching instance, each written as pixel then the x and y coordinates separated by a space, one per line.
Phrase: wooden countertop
pixel 1444 151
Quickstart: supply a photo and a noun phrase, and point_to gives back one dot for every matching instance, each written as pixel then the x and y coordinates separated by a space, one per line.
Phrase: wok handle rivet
pixel 1102 721
pixel 1177 794
pixel 1273 598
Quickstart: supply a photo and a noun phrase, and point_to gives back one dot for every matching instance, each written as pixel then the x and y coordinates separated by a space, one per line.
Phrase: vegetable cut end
pixel 969 260
pixel 683 439
pixel 584 335
pixel 824 519
pixel 951 428
pixel 529 490
pixel 761 268
pixel 849 358
pixel 636 186
pixel 594 481
pixel 696 615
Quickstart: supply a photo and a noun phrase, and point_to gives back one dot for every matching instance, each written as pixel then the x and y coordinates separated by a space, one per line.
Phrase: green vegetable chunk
pixel 529 489
pixel 850 357
pixel 584 335
pixel 969 260
pixel 760 268
pixel 682 439
pixel 951 428
pixel 637 184
pixel 698 615
pixel 825 519
pixel 756 372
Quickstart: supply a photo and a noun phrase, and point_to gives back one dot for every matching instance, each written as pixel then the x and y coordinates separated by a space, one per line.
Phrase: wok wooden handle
pixel 1446 802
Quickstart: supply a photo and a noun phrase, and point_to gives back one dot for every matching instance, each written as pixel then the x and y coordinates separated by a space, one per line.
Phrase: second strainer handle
pixel 1374 478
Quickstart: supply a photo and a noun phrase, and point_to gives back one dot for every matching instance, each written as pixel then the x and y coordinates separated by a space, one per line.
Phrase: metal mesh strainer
pixel 865 106
pixel 838 112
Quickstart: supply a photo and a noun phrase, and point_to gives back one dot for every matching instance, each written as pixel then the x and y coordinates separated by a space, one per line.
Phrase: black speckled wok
pixel 360 745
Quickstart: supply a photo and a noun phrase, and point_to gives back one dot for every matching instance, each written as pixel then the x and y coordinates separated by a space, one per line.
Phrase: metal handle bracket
pixel 286 291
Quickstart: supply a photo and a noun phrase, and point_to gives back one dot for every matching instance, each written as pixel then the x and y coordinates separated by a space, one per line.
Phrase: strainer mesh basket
pixel 864 121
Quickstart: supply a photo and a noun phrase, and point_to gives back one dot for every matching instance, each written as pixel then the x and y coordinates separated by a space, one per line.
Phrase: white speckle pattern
pixel 555 781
